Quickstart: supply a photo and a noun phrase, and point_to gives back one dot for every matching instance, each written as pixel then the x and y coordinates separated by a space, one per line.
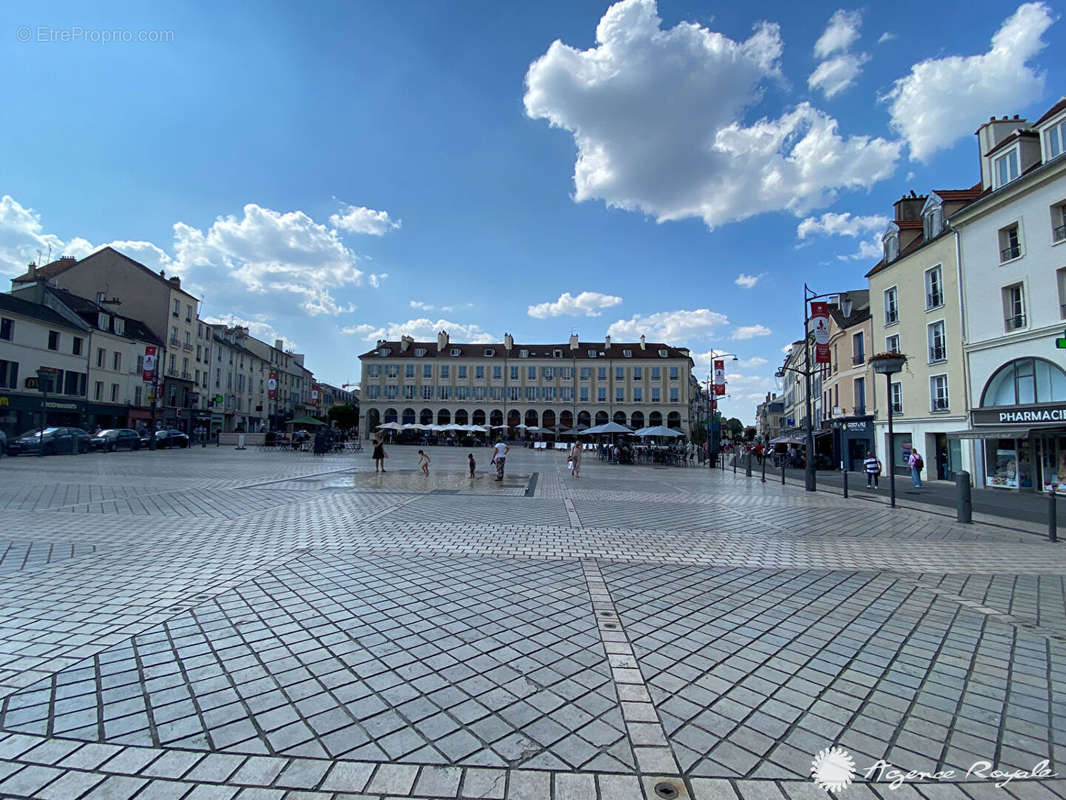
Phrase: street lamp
pixel 845 304
pixel 888 364
pixel 714 398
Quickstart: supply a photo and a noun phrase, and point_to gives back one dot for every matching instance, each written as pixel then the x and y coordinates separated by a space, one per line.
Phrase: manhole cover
pixel 666 790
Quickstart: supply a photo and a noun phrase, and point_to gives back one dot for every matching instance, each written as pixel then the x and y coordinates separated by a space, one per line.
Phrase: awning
pixel 991 433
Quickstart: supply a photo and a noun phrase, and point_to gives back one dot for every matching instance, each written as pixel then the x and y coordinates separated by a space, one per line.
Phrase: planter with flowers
pixel 887 363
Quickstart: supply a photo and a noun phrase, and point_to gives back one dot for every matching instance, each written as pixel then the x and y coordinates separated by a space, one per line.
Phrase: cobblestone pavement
pixel 217 624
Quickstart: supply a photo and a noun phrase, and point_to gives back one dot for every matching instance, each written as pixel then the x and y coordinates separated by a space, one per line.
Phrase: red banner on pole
pixel 719 377
pixel 272 385
pixel 820 330
pixel 148 366
pixel 314 394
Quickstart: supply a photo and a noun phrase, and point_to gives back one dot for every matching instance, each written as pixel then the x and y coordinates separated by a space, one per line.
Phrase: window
pixel 1010 246
pixel 1055 141
pixel 514 373
pixel 673 373
pixel 497 373
pixel 114 392
pixel 444 372
pixel 116 362
pixel 1058 222
pixel 188 341
pixel 9 374
pixel 627 353
pixel 586 373
pixel 531 373
pixel 531 393
pixel 455 351
pixel 892 343
pixel 490 351
pixel 547 373
pixel 1025 381
pixel 176 310
pixel 891 306
pixel 934 288
pixel 858 389
pixel 479 372
pixel 897 398
pixel 1014 307
pixel 601 373
pixel 74 383
pixel 138 399
pixel 601 394
pixel 523 354
pixel 427 371
pixel 858 349
pixel 75 347
pixel 427 392
pixel 549 394
pixel 120 326
pixel 938 393
pixel 891 244
pixel 462 372
pixel 656 373
pixel 619 373
pixel 5 328
pixel 408 392
pixel 638 394
pixel 933 221
pixel 656 394
pixel 937 342
pixel 1005 168
pixel 557 353
pixel 444 392
pixel 53 340
pixel 638 373
pixel 675 395
pixel 98 394
pixel 372 371
pixel 592 353
pixel 419 352
pixel 515 392
pixel 409 370
pixel 584 394
pixel 188 313
pixel 619 394
pixel 664 353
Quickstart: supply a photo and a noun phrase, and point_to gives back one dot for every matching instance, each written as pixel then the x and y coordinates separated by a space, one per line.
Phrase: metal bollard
pixel 1052 517
pixel 764 468
pixel 845 477
pixel 734 463
pixel 963 498
pixel 747 466
pixel 782 472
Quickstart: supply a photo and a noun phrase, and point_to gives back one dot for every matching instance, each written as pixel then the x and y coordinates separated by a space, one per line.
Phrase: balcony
pixel 186 376
pixel 891 317
pixel 187 347
pixel 1010 252
pixel 938 354
pixel 1015 322
pixel 939 405
pixel 174 341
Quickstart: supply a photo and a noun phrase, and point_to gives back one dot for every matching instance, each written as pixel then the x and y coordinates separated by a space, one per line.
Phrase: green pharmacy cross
pixel 1061 343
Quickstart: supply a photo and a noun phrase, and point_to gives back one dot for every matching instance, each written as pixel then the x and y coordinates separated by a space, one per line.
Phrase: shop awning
pixel 991 433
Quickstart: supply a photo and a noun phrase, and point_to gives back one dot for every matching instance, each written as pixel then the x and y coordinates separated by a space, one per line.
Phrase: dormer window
pixel 103 321
pixel 455 351
pixel 384 351
pixel 523 354
pixel 663 354
pixel 1055 140
pixel 891 243
pixel 1005 168
pixel 557 353
pixel 120 326
pixel 932 218
pixel 490 351
pixel 592 353
pixel 420 352
pixel 627 354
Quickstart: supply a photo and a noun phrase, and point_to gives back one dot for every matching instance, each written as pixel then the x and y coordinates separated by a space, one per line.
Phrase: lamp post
pixel 888 364
pixel 845 303
pixel 711 393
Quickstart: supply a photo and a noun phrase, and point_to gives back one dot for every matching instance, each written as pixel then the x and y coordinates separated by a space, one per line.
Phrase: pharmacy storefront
pixel 1021 427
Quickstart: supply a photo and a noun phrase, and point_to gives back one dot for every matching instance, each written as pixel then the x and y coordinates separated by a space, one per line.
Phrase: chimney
pixel 989 135
pixel 162 273
pixel 33 270
pixel 508 342
pixel 642 345
pixel 279 344
pixel 909 207
pixel 573 341
pixel 442 341
pixel 606 342
pixel 405 342
pixel 176 281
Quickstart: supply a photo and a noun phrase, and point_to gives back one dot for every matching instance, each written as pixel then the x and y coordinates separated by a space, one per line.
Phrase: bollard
pixel 782 472
pixel 845 476
pixel 734 463
pixel 963 498
pixel 747 466
pixel 764 468
pixel 1052 518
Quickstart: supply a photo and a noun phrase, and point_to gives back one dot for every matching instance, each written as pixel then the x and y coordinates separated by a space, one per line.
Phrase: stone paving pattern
pixel 212 623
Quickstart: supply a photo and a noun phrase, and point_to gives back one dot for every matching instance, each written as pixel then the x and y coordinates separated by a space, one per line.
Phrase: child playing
pixel 423 462
pixel 473 464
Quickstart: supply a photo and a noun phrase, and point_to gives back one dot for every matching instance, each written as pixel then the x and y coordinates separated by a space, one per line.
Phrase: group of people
pixel 872 467
pixel 499 459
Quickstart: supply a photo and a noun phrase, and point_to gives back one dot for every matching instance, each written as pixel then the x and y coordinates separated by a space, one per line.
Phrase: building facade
pixel 543 385
pixel 769 417
pixel 846 381
pixel 1012 242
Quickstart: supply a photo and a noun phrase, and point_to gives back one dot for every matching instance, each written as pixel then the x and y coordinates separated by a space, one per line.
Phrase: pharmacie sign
pixel 1020 415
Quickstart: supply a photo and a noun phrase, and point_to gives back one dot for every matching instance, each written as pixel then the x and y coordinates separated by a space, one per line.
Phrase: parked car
pixel 51 441
pixel 113 439
pixel 171 438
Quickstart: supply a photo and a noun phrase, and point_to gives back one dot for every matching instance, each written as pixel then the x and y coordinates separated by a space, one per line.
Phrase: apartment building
pixel 769 417
pixel 1012 241
pixel 544 385
pixel 846 380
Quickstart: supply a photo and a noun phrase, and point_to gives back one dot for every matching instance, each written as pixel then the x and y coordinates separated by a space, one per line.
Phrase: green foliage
pixel 345 417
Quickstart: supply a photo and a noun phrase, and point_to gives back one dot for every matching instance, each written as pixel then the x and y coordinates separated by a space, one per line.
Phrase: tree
pixel 749 434
pixel 698 434
pixel 345 417
pixel 734 428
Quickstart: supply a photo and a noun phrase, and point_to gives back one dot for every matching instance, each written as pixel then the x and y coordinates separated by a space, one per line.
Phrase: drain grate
pixel 667 791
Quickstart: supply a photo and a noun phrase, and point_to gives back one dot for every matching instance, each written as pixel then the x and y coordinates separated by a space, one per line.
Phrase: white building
pixel 1012 245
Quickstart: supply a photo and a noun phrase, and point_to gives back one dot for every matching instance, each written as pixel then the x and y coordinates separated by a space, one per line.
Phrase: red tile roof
pixel 1055 109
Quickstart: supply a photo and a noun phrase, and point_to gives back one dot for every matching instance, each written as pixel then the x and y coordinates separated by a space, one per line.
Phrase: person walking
pixel 379 456
pixel 472 463
pixel 423 462
pixel 499 457
pixel 916 464
pixel 872 467
pixel 575 460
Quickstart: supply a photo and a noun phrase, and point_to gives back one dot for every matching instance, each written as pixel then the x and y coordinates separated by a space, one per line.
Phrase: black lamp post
pixel 714 403
pixel 809 480
pixel 888 365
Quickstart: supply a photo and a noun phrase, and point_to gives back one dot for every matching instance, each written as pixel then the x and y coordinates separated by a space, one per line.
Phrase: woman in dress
pixel 575 459
pixel 379 456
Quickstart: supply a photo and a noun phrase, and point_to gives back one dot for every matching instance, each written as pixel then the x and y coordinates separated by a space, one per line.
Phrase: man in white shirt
pixel 500 452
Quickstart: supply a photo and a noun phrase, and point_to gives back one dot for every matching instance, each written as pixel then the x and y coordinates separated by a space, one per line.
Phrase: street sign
pixel 1061 343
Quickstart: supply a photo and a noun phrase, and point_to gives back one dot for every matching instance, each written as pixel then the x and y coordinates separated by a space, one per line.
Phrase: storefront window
pixel 902 443
pixel 1002 468
pixel 1024 382
pixel 1052 456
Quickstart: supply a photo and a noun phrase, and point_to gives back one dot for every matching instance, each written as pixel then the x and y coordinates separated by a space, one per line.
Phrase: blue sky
pixel 334 172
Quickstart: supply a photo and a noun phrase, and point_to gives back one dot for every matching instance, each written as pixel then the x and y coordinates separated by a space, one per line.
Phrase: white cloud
pixel 837 74
pixel 259 328
pixel 754 362
pixel 671 327
pixel 751 331
pixel 887 36
pixel 360 219
pixel 869 249
pixel 588 304
pixel 745 281
pixel 422 329
pixel 22 238
pixel 840 34
pixel 944 99
pixel 844 224
pixel 376 279
pixel 270 252
pixel 656 116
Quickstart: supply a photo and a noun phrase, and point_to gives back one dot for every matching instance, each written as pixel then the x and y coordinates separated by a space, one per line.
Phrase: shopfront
pixel 20 413
pixel 853 437
pixel 1021 426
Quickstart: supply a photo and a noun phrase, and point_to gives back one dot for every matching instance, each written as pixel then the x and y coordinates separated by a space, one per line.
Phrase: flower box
pixel 887 363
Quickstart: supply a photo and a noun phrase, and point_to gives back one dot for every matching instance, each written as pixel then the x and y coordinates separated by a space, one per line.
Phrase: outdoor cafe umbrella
pixel 388 426
pixel 658 430
pixel 607 427
pixel 305 421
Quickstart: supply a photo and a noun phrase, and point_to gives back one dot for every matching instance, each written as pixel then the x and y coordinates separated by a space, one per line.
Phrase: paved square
pixel 221 623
